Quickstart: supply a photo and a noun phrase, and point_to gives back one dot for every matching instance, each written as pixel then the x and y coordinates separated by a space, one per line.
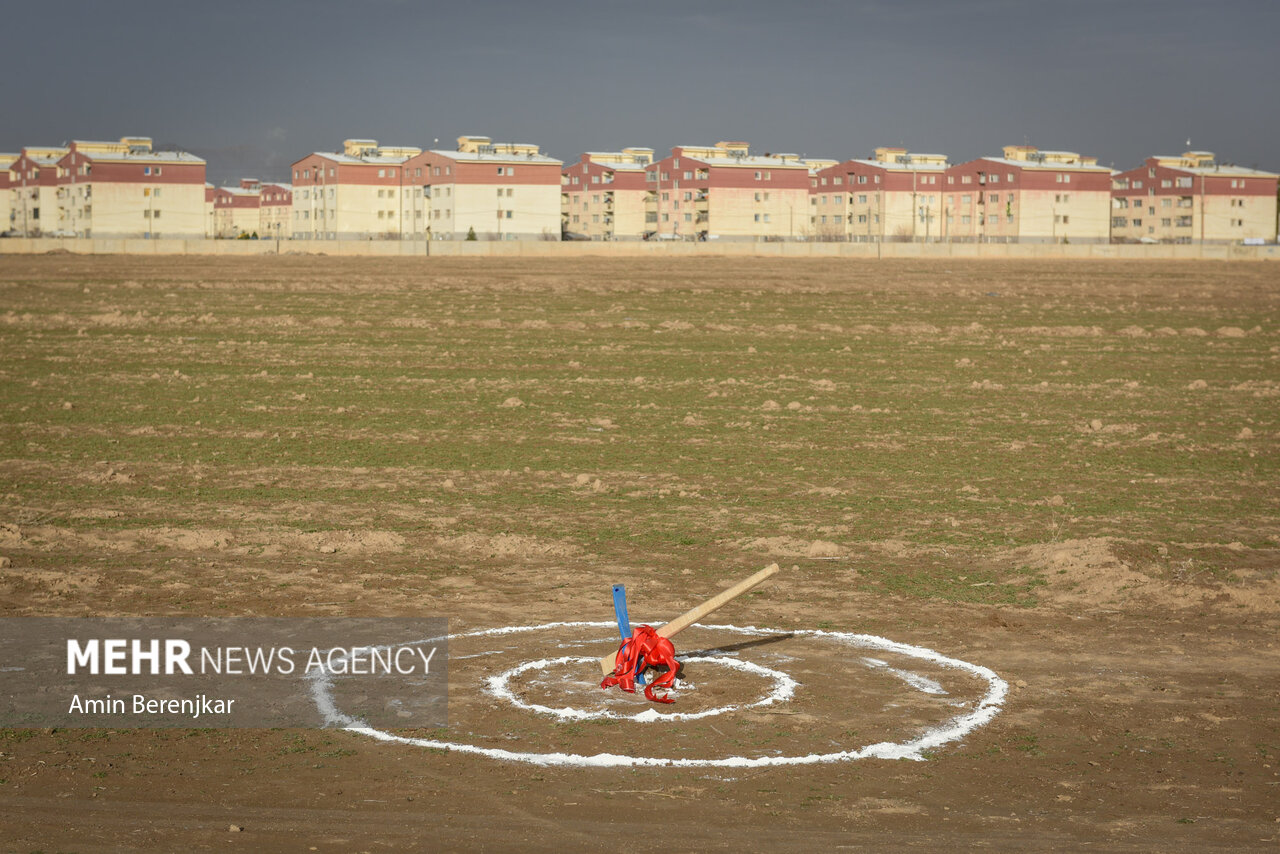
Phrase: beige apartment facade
pixel 33 178
pixel 723 192
pixel 895 195
pixel 210 215
pixel 1028 196
pixel 6 192
pixel 125 189
pixel 602 195
pixel 360 193
pixel 1193 198
pixel 237 210
pixel 275 211
pixel 486 191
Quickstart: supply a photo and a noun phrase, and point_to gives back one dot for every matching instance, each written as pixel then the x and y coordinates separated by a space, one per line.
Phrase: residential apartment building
pixel 723 192
pixel 33 179
pixel 126 189
pixel 275 211
pixel 210 215
pixel 496 191
pixel 236 210
pixel 1193 198
pixel 894 195
pixel 602 195
pixel 6 194
pixel 360 193
pixel 1028 196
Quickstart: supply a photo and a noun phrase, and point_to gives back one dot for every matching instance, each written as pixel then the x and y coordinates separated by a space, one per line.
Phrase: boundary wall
pixel 629 249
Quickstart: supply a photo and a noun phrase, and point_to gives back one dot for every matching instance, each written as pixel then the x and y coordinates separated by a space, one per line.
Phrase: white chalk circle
pixel 950 730
pixel 783 689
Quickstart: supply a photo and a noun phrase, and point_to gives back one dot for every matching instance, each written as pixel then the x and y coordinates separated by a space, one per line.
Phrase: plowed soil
pixel 1063 471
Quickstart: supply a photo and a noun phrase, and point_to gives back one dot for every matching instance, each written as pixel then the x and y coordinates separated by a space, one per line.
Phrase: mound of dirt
pixel 1109 572
pixel 792 547
pixel 508 545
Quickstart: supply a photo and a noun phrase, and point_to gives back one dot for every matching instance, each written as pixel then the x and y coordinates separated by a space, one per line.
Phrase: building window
pixel 757 217
pixel 382 173
pixel 995 179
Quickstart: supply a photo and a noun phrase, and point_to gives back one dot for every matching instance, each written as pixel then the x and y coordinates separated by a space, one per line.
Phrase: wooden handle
pixel 688 618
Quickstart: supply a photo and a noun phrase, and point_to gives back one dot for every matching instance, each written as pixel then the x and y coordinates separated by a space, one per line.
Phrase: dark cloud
pixel 255 86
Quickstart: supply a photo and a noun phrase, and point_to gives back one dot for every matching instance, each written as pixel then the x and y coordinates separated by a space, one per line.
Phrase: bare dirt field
pixel 1065 472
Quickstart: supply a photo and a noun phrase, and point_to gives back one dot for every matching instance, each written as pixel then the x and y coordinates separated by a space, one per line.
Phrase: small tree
pixel 471 233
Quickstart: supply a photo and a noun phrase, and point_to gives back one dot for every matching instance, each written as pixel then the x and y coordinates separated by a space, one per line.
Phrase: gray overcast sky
pixel 253 86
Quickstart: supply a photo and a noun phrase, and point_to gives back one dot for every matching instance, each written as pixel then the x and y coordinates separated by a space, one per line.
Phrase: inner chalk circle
pixel 783 689
pixel 950 730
